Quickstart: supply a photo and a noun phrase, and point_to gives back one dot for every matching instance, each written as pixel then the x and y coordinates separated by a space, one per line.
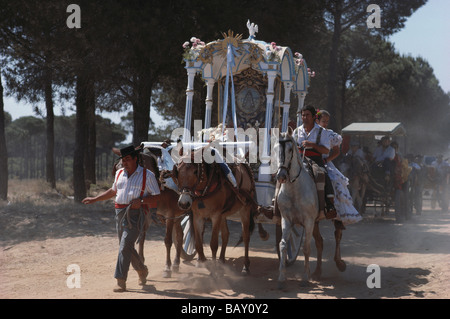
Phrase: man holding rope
pixel 133 188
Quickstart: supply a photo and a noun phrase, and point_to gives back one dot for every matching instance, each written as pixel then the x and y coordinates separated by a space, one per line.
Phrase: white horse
pixel 298 204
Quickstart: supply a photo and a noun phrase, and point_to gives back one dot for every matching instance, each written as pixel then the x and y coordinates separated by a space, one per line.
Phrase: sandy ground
pixel 39 241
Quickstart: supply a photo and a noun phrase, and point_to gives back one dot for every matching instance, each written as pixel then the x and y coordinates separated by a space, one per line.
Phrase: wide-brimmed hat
pixel 129 150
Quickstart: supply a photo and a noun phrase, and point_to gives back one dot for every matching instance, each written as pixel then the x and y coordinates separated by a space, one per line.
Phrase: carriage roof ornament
pixel 252 30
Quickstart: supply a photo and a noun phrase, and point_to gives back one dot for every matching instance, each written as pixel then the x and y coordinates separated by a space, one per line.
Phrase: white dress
pixel 343 202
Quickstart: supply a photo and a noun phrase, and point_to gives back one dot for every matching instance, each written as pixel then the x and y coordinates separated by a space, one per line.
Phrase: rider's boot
pixel 330 210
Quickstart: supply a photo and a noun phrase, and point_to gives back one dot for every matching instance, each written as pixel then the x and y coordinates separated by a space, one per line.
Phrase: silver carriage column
pixel 264 174
pixel 301 85
pixel 208 103
pixel 192 68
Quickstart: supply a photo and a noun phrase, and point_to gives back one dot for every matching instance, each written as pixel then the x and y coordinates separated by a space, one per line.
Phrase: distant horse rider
pixel 384 156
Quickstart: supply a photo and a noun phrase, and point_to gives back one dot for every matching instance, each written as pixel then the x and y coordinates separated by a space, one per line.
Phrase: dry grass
pixel 36 211
pixel 38 190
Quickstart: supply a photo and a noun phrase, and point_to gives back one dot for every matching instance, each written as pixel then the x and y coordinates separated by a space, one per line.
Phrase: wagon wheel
pixel 188 250
pixel 293 245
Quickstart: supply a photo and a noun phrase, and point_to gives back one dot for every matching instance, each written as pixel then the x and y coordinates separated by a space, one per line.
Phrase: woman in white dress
pixel 343 203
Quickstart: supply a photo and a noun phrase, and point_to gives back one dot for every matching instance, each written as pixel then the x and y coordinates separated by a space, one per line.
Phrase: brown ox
pixel 207 192
pixel 168 211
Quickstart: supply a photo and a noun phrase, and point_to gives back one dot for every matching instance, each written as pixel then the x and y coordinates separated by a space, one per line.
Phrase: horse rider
pixel 134 188
pixel 384 156
pixel 314 141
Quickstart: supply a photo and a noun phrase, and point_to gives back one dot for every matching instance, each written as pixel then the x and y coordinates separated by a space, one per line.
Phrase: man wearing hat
pixel 131 192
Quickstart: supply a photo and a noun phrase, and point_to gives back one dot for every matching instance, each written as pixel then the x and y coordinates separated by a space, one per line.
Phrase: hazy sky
pixel 426 34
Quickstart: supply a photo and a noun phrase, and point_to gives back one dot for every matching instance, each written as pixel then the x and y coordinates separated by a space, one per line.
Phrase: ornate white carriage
pixel 257 79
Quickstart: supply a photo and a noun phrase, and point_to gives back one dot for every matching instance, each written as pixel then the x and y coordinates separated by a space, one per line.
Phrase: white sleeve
pixel 390 153
pixel 151 185
pixel 116 177
pixel 335 139
pixel 325 139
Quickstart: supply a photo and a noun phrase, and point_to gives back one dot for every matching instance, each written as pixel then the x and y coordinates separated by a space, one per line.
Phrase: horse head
pixel 188 176
pixel 288 148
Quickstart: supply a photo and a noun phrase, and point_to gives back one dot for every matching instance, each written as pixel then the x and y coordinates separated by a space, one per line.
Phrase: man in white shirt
pixel 384 155
pixel 384 151
pixel 130 188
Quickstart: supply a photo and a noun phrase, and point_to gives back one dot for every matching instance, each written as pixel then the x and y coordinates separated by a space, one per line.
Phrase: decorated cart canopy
pixel 250 75
pixel 254 81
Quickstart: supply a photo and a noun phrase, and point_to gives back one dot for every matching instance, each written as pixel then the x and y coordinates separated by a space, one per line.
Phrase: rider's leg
pixel 329 198
pixel 219 159
pixel 228 174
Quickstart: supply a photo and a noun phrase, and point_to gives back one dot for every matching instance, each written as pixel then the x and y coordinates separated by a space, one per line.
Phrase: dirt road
pixel 39 241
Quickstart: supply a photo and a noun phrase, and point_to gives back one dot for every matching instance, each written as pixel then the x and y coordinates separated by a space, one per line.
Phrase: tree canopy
pixel 126 57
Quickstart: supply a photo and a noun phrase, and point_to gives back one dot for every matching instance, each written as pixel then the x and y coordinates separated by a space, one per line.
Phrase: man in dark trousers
pixel 131 191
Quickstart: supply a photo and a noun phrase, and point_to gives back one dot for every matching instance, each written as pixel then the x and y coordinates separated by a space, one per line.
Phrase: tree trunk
pixel 81 135
pixel 141 109
pixel 3 150
pixel 343 100
pixel 89 159
pixel 50 132
pixel 332 69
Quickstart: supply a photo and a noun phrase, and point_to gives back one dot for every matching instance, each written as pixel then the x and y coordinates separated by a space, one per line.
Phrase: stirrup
pixel 330 212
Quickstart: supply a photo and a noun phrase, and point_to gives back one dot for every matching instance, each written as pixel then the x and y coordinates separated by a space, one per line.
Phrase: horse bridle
pixel 283 144
pixel 191 191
